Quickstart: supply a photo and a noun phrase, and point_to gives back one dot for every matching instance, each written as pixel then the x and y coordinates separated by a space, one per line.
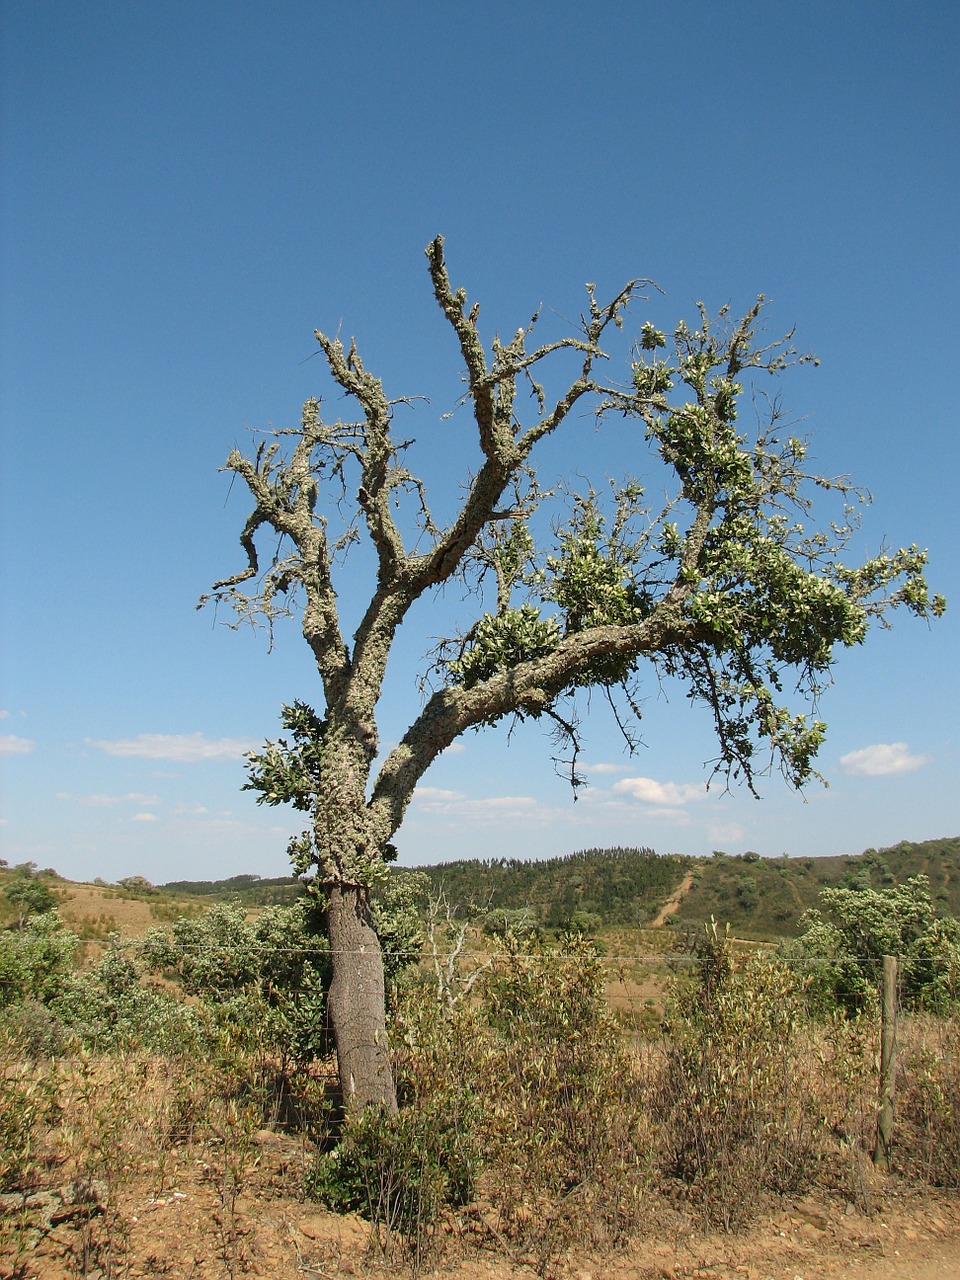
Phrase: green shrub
pixel 402 1174
pixel 37 961
pixel 399 1172
pixel 845 942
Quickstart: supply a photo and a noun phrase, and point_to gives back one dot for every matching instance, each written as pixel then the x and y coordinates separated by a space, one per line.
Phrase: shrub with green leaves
pixel 401 1174
pixel 109 1007
pixel 844 944
pixel 37 961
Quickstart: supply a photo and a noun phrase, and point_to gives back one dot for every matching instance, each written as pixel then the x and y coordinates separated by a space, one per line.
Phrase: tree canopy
pixel 732 581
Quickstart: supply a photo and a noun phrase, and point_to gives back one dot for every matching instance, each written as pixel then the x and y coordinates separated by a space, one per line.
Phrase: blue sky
pixel 189 190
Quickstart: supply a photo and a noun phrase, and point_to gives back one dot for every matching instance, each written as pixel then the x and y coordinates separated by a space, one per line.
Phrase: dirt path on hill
pixel 672 904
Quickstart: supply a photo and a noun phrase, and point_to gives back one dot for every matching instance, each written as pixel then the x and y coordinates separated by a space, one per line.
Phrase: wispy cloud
pixel 663 794
pixel 11 745
pixel 455 806
pixel 882 759
pixel 727 832
pixel 103 801
pixel 186 748
pixel 144 817
pixel 600 767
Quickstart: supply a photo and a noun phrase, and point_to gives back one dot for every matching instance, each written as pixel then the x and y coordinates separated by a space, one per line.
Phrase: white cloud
pixel 663 794
pixel 103 802
pixel 11 745
pixel 678 817
pixel 457 807
pixel 726 832
pixel 184 747
pixel 144 817
pixel 4 714
pixel 436 797
pixel 603 768
pixel 882 759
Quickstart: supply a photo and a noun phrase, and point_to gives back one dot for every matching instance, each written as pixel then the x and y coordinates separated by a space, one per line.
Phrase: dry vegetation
pixel 570 1110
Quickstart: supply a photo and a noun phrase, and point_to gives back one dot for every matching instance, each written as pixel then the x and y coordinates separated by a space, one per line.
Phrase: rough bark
pixel 356 1002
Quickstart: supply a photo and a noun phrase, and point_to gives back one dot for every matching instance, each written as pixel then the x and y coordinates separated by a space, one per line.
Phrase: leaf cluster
pixel 848 936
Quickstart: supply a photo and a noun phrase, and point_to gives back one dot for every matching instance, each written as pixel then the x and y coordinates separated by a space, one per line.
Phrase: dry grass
pixel 95 911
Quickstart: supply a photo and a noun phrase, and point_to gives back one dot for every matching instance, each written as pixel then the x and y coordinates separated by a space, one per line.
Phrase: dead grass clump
pixel 927 1133
pixel 564 1131
pixel 745 1103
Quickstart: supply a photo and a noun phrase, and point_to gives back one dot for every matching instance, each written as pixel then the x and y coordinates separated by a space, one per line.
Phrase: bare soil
pixel 674 902
pixel 192 1228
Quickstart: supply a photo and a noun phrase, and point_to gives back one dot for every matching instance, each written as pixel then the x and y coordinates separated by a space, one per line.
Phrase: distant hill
pixel 765 897
pixel 250 890
pixel 595 889
pixel 760 897
pixel 616 886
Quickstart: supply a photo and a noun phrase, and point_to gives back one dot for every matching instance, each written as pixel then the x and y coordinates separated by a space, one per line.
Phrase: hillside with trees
pixel 762 898
pixel 591 889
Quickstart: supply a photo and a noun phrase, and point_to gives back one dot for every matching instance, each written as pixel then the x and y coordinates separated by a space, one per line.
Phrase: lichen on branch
pixel 733 582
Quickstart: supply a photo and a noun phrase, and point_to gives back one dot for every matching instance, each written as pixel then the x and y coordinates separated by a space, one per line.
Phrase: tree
pixel 29 894
pixel 722 586
pixel 857 926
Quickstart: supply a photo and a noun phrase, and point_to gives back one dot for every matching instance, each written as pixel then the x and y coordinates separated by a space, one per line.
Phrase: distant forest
pixel 626 887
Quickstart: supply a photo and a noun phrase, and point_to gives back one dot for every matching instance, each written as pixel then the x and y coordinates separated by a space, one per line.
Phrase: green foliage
pixel 396 909
pixel 847 940
pixel 526 1087
pixel 36 962
pixel 251 890
pixel 398 1172
pixel 45 998
pixel 279 961
pixel 767 593
pixel 109 1007
pixel 562 1122
pixel 285 771
pixel 137 886
pixel 506 923
pixel 621 886
pixel 597 580
pixel 29 894
pixel 402 1173
pixel 504 640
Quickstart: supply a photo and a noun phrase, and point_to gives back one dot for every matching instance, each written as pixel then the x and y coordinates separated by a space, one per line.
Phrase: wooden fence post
pixel 888 1064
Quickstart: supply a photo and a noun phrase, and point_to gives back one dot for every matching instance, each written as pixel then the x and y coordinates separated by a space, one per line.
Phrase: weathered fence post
pixel 888 1064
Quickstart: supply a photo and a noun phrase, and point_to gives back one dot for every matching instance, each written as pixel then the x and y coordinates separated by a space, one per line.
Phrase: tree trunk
pixel 357 1003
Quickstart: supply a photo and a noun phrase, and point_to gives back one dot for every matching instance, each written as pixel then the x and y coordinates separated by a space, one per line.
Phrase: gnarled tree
pixel 726 585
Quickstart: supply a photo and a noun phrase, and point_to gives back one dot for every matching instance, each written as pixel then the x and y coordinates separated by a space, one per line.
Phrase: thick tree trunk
pixel 357 1003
